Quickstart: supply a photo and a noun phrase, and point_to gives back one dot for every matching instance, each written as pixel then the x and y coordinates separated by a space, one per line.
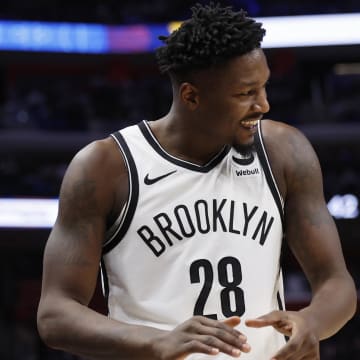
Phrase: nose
pixel 261 103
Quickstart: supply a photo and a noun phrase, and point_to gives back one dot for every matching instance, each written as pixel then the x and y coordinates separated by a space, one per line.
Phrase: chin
pixel 244 149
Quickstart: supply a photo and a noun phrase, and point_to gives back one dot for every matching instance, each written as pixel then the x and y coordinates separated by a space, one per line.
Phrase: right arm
pixel 72 255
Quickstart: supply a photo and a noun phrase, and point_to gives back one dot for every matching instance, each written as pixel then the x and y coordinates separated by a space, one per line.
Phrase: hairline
pixel 180 76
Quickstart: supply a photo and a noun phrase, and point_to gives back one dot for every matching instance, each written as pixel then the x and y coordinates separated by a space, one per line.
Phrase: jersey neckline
pixel 151 139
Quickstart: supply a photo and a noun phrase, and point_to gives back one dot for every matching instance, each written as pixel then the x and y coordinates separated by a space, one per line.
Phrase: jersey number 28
pixel 229 277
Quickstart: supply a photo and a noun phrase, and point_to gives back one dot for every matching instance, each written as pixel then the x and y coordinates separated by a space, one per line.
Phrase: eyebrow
pixel 252 83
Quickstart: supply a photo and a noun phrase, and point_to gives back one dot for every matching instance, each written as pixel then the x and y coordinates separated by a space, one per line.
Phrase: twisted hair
pixel 211 36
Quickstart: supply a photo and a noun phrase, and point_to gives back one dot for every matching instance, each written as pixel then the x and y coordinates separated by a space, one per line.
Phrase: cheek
pixel 237 112
pixel 239 104
pixel 217 112
pixel 224 116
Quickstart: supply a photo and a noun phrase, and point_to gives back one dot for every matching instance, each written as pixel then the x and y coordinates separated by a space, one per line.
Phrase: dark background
pixel 51 105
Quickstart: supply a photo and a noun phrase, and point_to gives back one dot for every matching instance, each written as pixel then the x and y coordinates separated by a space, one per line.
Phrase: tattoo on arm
pixel 79 213
pixel 306 183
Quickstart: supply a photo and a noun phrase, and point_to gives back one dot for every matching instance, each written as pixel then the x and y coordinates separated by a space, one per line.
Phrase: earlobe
pixel 189 95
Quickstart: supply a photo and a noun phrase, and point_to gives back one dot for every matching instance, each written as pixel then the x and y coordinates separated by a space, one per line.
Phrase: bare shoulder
pixel 283 137
pixel 291 154
pixel 101 154
pixel 95 179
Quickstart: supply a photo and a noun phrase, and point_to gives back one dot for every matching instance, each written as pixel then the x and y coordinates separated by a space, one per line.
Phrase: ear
pixel 189 95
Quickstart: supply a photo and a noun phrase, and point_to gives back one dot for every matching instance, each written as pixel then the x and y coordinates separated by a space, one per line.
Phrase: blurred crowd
pixel 130 12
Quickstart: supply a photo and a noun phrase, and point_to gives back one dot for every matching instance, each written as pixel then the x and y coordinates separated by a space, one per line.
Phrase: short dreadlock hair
pixel 211 36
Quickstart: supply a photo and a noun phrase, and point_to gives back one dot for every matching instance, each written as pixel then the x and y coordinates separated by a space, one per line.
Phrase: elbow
pixel 354 301
pixel 47 325
pixel 349 296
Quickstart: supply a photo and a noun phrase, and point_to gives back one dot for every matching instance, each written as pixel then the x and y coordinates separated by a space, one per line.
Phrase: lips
pixel 249 124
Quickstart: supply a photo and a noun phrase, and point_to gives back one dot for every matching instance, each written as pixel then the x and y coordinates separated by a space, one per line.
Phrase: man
pixel 186 215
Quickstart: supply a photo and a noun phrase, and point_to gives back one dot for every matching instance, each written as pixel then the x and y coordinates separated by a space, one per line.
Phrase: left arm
pixel 313 238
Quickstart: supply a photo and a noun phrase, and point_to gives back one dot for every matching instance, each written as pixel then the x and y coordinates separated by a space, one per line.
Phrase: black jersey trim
pixel 133 180
pixel 281 308
pixel 280 303
pixel 149 136
pixel 260 148
pixel 244 161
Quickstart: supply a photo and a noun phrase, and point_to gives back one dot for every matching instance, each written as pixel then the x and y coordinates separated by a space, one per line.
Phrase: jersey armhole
pixel 264 160
pixel 119 228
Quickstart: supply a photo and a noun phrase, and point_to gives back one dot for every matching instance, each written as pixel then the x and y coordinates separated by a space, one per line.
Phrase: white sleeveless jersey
pixel 196 240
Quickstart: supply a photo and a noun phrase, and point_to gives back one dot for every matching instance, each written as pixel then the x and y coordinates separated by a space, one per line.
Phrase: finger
pixel 232 321
pixel 277 319
pixel 257 323
pixel 224 331
pixel 234 339
pixel 218 343
pixel 265 320
pixel 227 325
pixel 281 327
pixel 195 346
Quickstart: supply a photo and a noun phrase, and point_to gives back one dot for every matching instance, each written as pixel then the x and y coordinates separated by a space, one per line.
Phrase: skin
pixel 198 125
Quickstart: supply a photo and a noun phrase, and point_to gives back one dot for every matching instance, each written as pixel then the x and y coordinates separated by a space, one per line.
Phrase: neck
pixel 179 136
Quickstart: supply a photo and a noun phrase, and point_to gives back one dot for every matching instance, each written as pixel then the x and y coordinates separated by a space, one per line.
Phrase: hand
pixel 201 335
pixel 303 343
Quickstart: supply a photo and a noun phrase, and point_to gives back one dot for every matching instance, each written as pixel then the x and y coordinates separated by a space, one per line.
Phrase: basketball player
pixel 186 215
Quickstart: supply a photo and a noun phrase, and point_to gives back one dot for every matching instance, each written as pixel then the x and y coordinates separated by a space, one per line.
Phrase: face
pixel 231 99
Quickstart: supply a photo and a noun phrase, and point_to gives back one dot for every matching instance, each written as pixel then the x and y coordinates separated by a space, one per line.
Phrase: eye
pixel 247 93
pixel 254 91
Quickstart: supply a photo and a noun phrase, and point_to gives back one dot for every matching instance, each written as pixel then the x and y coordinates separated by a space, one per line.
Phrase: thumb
pixel 232 321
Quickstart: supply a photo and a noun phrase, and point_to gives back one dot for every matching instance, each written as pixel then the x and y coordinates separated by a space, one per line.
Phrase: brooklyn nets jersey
pixel 196 240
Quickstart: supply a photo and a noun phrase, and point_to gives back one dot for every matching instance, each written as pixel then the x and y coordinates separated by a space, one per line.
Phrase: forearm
pixel 332 305
pixel 77 329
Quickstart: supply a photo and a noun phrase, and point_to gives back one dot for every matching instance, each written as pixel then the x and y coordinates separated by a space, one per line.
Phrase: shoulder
pixel 275 131
pixel 290 152
pixel 97 171
pixel 285 140
pixel 100 159
pixel 99 154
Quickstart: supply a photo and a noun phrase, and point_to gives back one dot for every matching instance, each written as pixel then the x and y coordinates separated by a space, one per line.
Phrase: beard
pixel 245 150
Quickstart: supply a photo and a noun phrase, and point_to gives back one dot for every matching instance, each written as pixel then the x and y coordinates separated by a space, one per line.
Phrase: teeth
pixel 249 122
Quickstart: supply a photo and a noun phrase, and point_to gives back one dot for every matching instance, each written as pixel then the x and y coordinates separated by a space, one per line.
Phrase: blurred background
pixel 72 72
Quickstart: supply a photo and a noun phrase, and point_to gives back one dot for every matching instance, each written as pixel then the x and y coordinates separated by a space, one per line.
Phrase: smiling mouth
pixel 249 124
